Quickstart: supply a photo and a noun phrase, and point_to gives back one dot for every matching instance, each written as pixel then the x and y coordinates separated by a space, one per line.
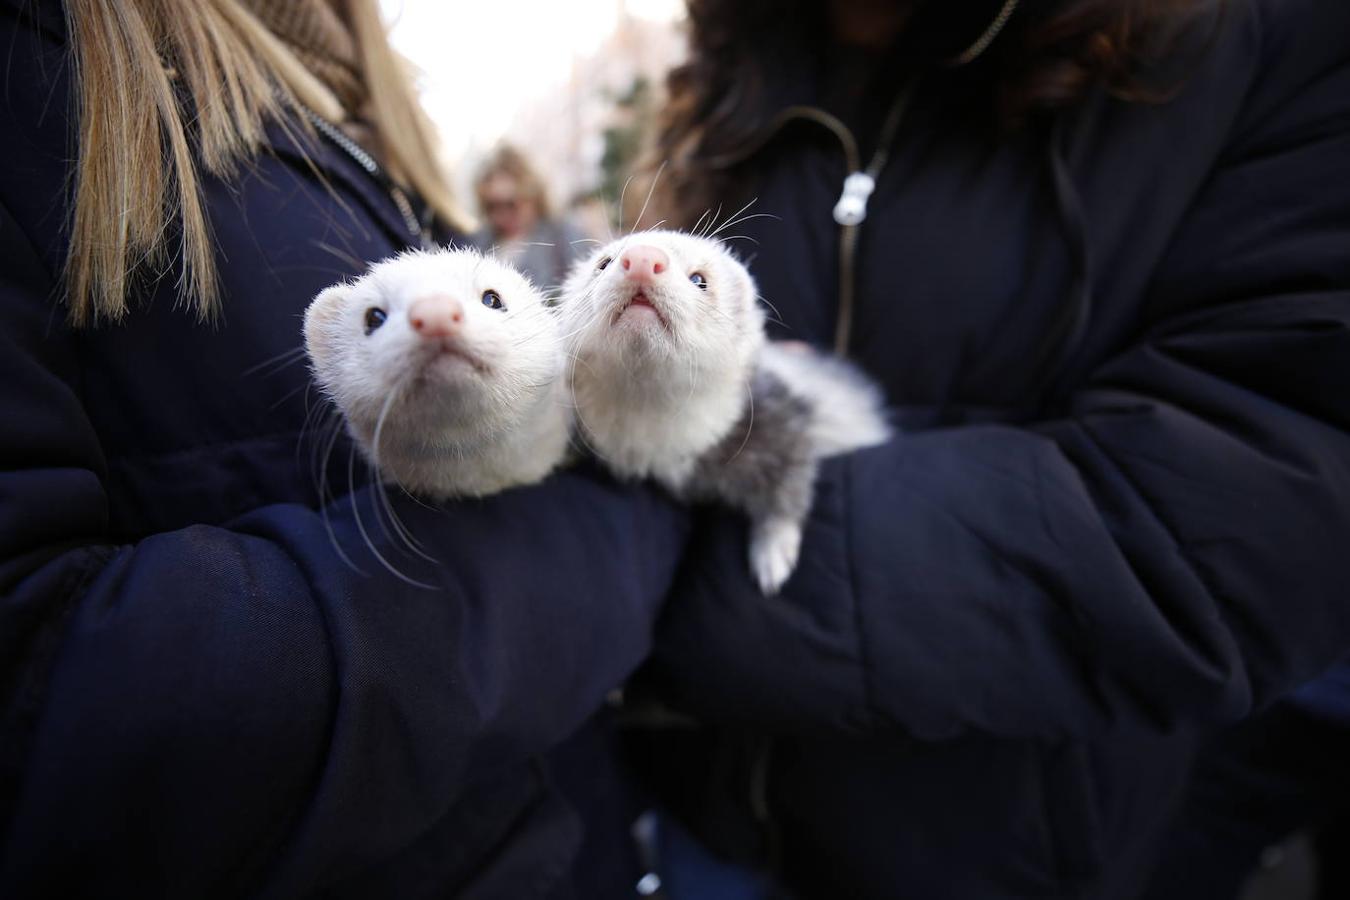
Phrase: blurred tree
pixel 625 140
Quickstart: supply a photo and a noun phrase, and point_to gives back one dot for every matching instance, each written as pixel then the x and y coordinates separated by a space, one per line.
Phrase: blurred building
pixel 588 127
pixel 569 82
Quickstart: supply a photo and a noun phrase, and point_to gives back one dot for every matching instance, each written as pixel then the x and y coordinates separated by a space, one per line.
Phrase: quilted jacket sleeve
pixel 222 693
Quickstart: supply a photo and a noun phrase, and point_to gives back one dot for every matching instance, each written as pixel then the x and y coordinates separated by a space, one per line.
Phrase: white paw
pixel 774 546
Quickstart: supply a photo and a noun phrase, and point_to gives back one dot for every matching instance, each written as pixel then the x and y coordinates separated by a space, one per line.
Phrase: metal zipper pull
pixel 416 229
pixel 852 206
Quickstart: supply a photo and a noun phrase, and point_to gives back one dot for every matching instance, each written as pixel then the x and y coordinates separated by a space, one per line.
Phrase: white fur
pixel 445 427
pixel 774 547
pixel 848 407
pixel 847 414
pixel 651 399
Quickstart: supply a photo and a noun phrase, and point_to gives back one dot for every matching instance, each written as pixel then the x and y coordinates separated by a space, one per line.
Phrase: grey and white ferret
pixel 447 368
pixel 673 379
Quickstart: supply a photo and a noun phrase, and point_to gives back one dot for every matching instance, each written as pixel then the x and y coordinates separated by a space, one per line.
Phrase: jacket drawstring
pixel 1064 340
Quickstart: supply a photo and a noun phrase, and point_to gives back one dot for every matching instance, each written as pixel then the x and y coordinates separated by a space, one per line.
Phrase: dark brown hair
pixel 1050 55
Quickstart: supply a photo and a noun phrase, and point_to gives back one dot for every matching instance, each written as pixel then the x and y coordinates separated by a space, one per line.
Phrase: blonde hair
pixel 137 160
pixel 511 162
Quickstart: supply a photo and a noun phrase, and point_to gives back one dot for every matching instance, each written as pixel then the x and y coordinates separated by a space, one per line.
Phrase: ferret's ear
pixel 322 323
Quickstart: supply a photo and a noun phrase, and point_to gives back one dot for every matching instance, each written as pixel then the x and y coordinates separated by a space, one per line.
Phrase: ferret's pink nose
pixel 436 315
pixel 644 263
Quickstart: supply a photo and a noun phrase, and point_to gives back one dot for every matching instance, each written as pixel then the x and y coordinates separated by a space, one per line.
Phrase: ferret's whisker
pixel 750 425
pixel 323 507
pixel 349 258
pixel 414 498
pixel 762 299
pixel 732 219
pixel 313 415
pixel 403 534
pixel 737 220
pixel 609 219
pixel 704 215
pixel 411 543
pixel 650 190
pixel 579 432
pixel 623 192
pixel 288 395
pixel 323 452
pixel 711 222
pixel 361 526
pixel 282 360
pixel 739 237
pixel 323 433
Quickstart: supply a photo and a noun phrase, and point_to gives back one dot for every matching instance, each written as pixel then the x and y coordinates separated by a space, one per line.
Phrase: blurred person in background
pixel 521 227
pixel 1098 255
pixel 210 686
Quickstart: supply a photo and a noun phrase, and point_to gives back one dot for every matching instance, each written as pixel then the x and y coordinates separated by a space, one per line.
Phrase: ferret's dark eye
pixel 493 300
pixel 699 281
pixel 603 262
pixel 375 318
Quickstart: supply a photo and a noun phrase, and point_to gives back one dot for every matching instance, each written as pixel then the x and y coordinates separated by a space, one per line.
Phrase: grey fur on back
pixel 803 407
pixel 766 465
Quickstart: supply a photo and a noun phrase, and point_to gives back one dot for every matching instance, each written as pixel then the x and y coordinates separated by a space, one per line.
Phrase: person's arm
pixel 1174 549
pixel 220 702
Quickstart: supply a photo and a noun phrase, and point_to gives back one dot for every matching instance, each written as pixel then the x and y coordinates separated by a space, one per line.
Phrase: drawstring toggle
pixel 852 206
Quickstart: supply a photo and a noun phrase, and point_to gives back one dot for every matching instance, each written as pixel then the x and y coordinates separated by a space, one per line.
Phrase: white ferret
pixel 672 378
pixel 447 367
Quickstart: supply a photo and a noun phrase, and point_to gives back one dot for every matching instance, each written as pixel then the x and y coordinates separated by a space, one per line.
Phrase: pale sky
pixel 483 59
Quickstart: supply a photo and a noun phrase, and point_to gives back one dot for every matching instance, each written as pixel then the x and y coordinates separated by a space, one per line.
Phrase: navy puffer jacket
pixel 1119 508
pixel 198 697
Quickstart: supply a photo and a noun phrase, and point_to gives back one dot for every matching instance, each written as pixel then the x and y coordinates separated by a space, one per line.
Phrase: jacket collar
pixel 296 142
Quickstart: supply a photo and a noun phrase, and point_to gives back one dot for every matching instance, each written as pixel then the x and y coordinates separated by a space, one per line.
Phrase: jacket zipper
pixel 850 210
pixel 417 229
